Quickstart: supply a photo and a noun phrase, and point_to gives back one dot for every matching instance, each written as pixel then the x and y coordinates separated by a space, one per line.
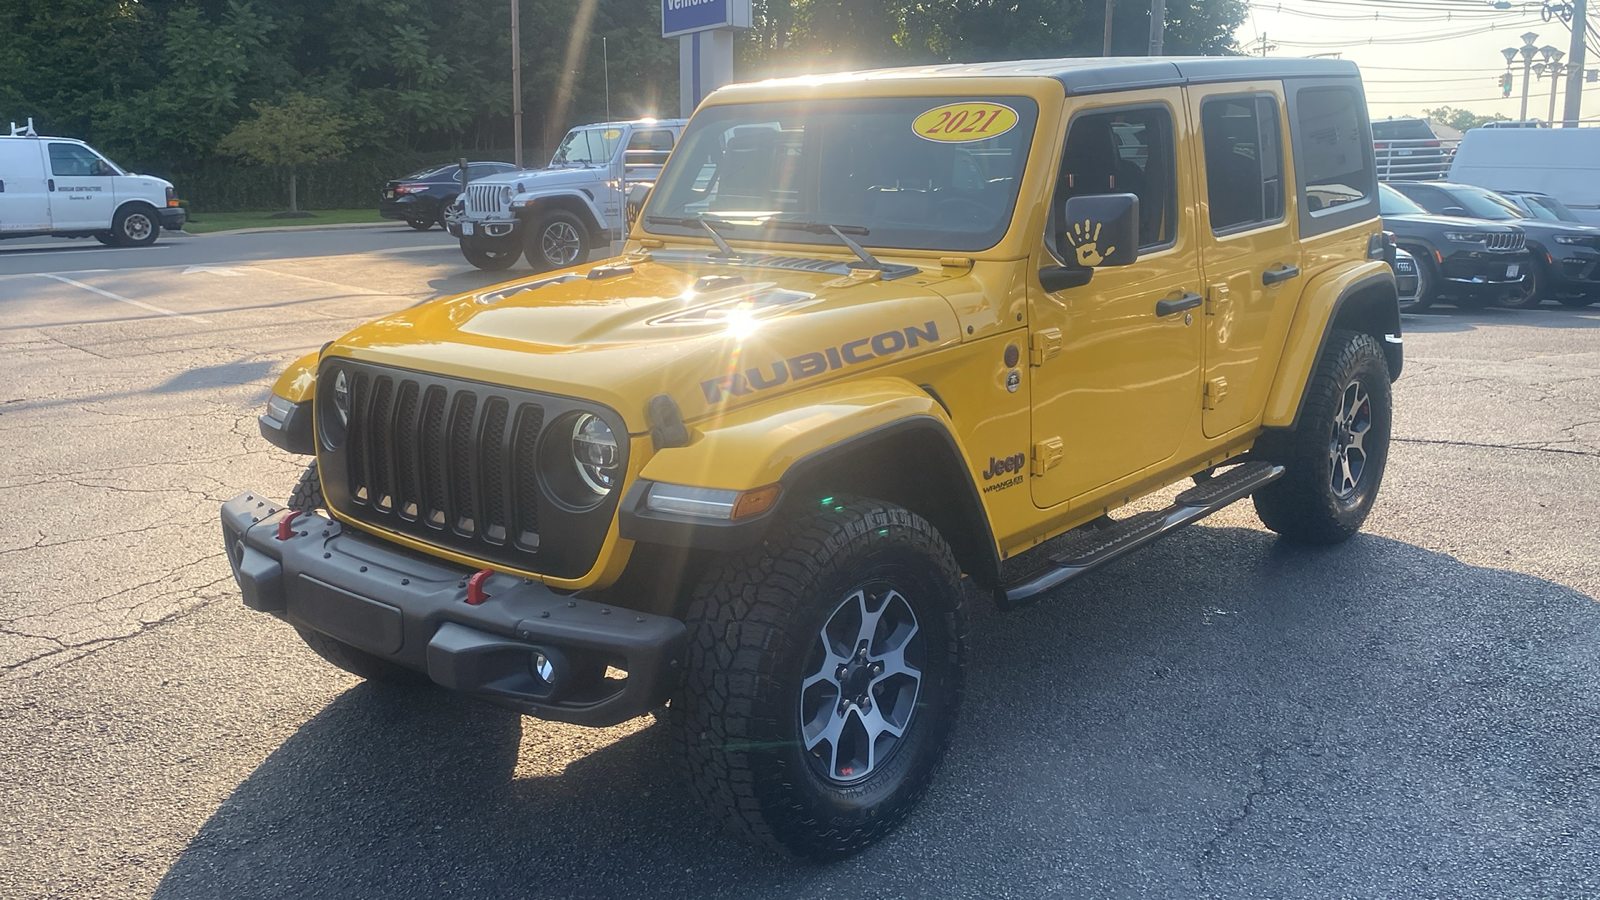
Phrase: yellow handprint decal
pixel 1085 238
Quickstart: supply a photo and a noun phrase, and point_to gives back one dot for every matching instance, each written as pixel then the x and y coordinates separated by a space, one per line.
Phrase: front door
pixel 24 201
pixel 1115 382
pixel 82 188
pixel 1247 247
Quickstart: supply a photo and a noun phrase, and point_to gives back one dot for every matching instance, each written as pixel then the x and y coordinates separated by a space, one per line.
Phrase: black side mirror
pixel 637 195
pixel 1455 211
pixel 1092 231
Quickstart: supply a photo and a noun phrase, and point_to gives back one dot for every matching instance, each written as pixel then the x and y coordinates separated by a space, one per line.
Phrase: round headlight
pixel 594 451
pixel 506 193
pixel 341 397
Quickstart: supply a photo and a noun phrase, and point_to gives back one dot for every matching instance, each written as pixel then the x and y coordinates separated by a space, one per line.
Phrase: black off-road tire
pixel 1304 505
pixel 557 240
pixel 104 237
pixel 755 628
pixel 490 259
pixel 358 662
pixel 307 493
pixel 135 225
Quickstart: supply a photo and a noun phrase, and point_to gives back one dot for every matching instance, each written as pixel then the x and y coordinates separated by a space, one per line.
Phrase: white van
pixel 64 187
pixel 1561 162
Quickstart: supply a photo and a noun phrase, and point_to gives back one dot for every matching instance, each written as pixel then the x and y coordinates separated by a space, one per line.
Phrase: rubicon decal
pixel 816 362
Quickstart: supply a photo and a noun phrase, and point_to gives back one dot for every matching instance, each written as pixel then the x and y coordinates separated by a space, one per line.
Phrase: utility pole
pixel 1105 46
pixel 1573 111
pixel 1158 21
pixel 516 87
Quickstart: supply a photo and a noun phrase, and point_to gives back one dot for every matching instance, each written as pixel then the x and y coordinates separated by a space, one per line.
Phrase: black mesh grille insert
pixel 492 469
pixel 525 467
pixel 380 437
pixel 463 499
pixel 407 489
pixel 435 484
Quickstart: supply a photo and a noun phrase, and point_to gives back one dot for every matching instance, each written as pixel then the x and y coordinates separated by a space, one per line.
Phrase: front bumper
pixel 1477 268
pixel 173 218
pixel 413 611
pixel 481 228
pixel 1576 269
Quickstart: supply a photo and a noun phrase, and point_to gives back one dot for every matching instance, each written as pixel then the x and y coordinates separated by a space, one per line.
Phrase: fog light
pixel 543 668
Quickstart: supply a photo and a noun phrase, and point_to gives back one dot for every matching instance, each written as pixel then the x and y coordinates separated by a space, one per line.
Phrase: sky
pixel 1416 55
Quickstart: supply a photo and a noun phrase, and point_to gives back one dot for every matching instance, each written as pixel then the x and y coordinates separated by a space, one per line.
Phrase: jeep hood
pixel 710 336
pixel 543 179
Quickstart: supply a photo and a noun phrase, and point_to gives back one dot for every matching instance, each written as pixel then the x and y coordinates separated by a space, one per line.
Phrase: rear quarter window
pixel 1333 156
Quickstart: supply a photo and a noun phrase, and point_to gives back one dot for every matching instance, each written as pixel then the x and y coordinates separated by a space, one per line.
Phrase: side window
pixel 474 172
pixel 1333 150
pixel 1125 151
pixel 74 159
pixel 1244 161
pixel 648 148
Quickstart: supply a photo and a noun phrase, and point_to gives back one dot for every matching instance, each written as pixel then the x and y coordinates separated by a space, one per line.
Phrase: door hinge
pixel 1045 344
pixel 1216 389
pixel 1216 298
pixel 1047 455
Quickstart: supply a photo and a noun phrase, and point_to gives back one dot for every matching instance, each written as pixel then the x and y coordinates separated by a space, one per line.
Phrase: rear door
pixel 1248 246
pixel 82 187
pixel 24 200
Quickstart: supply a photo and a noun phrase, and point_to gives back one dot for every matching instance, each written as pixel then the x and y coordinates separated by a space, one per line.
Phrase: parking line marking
pixel 94 290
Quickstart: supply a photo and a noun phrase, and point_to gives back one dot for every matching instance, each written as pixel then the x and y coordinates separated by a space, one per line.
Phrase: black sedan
pixel 1469 262
pixel 1564 260
pixel 422 197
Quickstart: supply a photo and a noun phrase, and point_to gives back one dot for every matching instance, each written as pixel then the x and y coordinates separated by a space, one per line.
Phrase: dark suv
pixel 1470 262
pixel 1564 258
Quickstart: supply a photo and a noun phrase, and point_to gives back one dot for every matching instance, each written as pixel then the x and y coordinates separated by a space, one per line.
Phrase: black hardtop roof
pixel 1098 75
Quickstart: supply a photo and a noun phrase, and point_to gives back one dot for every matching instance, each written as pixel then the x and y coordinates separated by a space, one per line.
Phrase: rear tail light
pixel 410 188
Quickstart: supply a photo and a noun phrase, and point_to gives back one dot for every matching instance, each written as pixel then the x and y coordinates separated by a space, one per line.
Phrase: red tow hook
pixel 286 524
pixel 475 594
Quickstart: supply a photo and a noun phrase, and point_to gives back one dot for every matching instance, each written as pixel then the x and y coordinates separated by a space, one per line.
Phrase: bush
pixel 349 184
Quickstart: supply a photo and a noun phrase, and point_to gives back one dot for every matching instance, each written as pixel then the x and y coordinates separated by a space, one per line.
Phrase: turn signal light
pixel 756 502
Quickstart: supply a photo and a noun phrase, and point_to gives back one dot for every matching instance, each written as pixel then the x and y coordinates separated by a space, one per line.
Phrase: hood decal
pixel 805 365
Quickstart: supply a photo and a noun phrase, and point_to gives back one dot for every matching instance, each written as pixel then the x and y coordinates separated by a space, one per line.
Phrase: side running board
pixel 1090 547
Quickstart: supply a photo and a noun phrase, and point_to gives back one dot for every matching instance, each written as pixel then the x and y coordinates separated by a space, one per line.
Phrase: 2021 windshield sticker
pixel 963 123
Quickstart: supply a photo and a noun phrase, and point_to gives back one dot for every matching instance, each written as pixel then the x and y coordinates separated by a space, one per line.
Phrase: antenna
pixel 622 182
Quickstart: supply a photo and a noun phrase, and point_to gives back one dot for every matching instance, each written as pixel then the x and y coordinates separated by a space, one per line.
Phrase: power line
pixel 1334 43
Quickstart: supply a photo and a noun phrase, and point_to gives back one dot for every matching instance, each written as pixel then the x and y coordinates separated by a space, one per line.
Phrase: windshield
pixel 420 174
pixel 1481 204
pixel 1393 203
pixel 915 173
pixel 587 146
pixel 1550 208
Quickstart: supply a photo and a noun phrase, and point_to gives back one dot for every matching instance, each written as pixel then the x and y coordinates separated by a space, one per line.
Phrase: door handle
pixel 1281 273
pixel 1170 307
pixel 52 184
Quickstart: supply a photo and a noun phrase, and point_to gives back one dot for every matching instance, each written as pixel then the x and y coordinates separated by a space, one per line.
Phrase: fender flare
pixel 288 425
pixel 566 198
pixel 811 438
pixel 1362 296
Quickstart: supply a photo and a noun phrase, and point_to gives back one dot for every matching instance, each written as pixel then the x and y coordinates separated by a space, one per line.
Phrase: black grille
pixel 457 465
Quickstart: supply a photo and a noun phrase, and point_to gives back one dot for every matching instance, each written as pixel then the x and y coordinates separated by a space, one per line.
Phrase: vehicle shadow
pixel 1220 715
pixel 1448 319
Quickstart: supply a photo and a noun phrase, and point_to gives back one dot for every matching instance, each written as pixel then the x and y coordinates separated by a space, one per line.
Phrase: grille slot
pixel 456 465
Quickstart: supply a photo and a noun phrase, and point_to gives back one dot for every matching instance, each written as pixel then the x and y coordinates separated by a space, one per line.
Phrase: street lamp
pixel 1526 51
pixel 1551 66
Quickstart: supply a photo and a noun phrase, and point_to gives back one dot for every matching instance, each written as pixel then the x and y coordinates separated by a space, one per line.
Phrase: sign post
pixel 704 29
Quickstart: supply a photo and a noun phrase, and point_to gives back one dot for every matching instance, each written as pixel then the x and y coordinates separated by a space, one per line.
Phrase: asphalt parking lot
pixel 1413 714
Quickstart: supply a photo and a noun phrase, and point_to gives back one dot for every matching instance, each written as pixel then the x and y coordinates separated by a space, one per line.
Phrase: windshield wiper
pixel 867 260
pixel 703 222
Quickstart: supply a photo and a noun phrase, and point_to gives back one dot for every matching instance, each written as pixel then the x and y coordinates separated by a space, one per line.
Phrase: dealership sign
pixel 689 16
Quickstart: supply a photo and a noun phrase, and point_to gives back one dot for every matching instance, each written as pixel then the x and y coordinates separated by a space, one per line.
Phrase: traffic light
pixel 1505 85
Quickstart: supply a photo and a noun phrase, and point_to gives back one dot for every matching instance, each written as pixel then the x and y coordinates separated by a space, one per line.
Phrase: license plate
pixel 1511 271
pixel 388 195
pixel 466 227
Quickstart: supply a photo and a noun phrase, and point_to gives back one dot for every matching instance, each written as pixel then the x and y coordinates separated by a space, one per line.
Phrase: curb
pixel 345 226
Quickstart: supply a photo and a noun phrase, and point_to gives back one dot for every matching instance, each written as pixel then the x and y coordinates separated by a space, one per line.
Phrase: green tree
pixel 300 131
pixel 1462 119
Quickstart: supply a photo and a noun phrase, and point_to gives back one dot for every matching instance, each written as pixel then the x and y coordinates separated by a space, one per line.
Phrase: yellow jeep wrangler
pixel 873 339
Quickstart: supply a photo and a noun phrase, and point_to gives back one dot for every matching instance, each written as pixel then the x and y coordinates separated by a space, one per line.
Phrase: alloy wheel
pixel 862 681
pixel 560 244
pixel 1346 449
